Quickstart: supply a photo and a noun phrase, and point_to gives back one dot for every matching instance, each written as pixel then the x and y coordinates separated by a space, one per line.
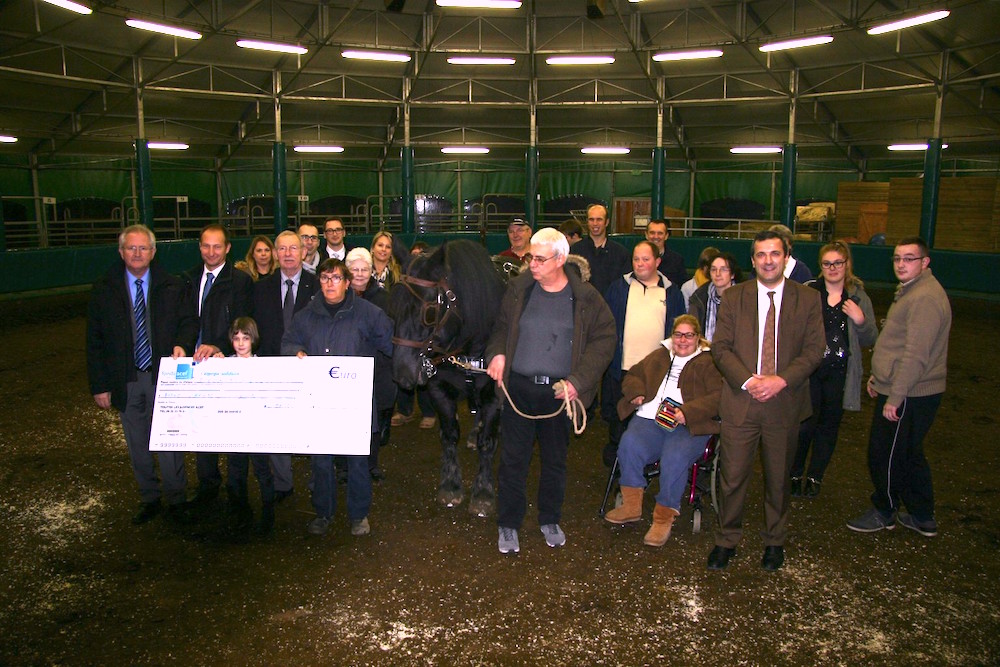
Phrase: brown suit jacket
pixel 801 343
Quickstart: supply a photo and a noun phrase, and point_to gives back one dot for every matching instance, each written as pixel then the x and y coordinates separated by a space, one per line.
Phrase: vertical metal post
pixel 3 231
pixel 659 155
pixel 929 200
pixel 788 186
pixel 409 191
pixel 531 163
pixel 36 194
pixel 144 183
pixel 280 187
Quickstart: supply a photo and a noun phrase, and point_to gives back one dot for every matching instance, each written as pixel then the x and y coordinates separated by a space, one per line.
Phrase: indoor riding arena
pixel 453 122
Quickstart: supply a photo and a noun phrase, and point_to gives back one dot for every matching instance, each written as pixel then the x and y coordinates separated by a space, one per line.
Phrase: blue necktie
pixel 209 279
pixel 143 350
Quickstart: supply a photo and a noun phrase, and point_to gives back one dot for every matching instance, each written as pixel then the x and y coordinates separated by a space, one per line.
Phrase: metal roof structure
pixel 81 85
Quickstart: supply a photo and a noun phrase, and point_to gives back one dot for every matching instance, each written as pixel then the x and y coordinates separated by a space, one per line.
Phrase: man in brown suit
pixel 766 354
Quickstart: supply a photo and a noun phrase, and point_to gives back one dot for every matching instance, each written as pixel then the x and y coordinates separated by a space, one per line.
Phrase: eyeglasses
pixel 908 259
pixel 331 279
pixel 686 335
pixel 836 264
pixel 139 248
pixel 309 237
pixel 537 260
pixel 335 230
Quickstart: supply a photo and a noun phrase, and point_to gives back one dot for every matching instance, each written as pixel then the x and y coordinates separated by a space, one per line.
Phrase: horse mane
pixel 476 283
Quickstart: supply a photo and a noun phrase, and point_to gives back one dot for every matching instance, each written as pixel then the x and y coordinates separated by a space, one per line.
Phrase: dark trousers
pixel 611 393
pixel 237 470
pixel 207 465
pixel 137 420
pixel 518 436
pixel 767 427
pixel 826 388
pixel 896 458
pixel 359 486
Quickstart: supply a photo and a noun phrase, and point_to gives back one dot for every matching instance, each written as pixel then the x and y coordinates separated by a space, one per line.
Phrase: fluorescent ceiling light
pixel 911 147
pixel 687 55
pixel 481 4
pixel 271 46
pixel 72 6
pixel 479 60
pixel 165 29
pixel 6 139
pixel 754 150
pixel 168 146
pixel 319 149
pixel 796 43
pixel 387 56
pixel 580 60
pixel 465 150
pixel 605 150
pixel 909 23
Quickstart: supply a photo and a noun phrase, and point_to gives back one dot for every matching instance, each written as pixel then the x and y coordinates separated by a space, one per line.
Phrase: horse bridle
pixel 431 354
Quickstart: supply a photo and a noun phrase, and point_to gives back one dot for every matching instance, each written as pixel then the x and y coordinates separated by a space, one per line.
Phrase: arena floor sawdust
pixel 83 586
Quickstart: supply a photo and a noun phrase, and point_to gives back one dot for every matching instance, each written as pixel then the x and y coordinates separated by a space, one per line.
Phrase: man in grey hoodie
pixel 909 365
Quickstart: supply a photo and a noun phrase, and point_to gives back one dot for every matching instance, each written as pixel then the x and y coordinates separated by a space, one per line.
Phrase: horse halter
pixel 431 354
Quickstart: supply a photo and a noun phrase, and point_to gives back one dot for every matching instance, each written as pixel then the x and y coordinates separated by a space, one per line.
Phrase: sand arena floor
pixel 82 586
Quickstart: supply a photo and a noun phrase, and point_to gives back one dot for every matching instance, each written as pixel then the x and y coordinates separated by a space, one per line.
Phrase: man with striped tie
pixel 139 313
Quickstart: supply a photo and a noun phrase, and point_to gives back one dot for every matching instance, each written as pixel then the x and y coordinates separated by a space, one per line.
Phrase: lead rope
pixel 575 409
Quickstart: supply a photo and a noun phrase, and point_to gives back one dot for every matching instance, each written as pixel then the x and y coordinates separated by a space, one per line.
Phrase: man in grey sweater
pixel 909 366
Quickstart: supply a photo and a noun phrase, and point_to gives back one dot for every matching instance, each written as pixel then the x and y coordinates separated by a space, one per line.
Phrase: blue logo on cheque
pixel 184 372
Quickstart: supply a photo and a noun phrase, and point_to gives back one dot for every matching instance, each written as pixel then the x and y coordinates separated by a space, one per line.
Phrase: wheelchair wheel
pixel 715 484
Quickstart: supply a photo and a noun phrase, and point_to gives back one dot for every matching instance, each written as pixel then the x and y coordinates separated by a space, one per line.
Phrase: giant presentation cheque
pixel 279 405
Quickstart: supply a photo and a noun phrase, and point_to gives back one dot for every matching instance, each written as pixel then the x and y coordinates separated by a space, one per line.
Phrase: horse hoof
pixel 481 508
pixel 450 498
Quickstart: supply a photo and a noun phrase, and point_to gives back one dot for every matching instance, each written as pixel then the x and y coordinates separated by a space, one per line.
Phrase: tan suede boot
pixel 631 508
pixel 663 521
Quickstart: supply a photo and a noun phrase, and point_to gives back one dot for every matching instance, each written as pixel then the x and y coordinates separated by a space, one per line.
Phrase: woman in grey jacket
pixel 849 322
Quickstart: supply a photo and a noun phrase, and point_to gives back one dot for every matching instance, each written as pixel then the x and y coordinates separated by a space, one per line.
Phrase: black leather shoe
pixel 719 558
pixel 181 514
pixel 282 495
pixel 773 558
pixel 811 489
pixel 796 487
pixel 147 511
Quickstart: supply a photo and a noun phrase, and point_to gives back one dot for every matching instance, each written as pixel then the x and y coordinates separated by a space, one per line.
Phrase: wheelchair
pixel 703 483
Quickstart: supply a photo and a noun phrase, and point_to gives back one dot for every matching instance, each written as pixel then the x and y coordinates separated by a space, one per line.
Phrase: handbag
pixel 666 414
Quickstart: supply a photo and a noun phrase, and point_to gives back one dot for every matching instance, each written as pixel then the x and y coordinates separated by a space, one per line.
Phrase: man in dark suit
pixel 768 340
pixel 139 313
pixel 334 244
pixel 220 294
pixel 275 299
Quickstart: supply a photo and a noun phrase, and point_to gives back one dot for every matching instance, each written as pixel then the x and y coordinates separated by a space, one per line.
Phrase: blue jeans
pixel 359 486
pixel 644 442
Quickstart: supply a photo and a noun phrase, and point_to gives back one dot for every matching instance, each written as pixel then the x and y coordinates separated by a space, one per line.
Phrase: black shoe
pixel 181 514
pixel 239 517
pixel 282 495
pixel 147 512
pixel 773 558
pixel 266 523
pixel 719 558
pixel 377 474
pixel 205 495
pixel 796 486
pixel 812 487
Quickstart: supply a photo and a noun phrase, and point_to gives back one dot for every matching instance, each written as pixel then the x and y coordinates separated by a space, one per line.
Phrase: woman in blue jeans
pixel 674 393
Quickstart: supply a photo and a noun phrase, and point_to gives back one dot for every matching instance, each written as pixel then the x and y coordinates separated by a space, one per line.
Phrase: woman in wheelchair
pixel 674 393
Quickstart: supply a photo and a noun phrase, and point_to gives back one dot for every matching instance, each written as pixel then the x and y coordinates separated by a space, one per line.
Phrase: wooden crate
pixel 850 197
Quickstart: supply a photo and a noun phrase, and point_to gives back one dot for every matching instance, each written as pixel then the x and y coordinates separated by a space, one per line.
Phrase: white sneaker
pixel 554 535
pixel 508 541
pixel 360 527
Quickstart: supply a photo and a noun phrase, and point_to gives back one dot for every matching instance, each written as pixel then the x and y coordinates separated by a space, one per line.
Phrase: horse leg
pixel 483 502
pixel 444 399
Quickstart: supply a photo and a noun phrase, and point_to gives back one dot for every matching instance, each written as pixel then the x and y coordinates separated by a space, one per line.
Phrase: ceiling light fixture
pixel 687 55
pixel 7 139
pixel 385 56
pixel 754 150
pixel 168 146
pixel 481 4
pixel 465 150
pixel 605 150
pixel 909 23
pixel 318 149
pixel 72 6
pixel 479 60
pixel 911 147
pixel 796 43
pixel 271 46
pixel 580 60
pixel 165 29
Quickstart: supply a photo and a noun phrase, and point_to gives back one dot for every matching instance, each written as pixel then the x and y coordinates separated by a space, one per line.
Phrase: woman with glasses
pixel 849 322
pixel 674 393
pixel 723 273
pixel 385 267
